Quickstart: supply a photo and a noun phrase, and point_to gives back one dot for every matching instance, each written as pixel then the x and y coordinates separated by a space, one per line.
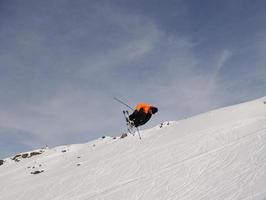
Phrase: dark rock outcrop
pixel 25 155
pixel 37 172
pixel 1 162
pixel 35 153
pixel 18 157
pixel 123 135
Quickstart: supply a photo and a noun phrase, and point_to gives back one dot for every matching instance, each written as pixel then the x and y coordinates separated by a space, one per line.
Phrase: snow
pixel 216 155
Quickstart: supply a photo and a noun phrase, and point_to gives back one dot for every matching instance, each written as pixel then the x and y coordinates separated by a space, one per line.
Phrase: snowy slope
pixel 216 155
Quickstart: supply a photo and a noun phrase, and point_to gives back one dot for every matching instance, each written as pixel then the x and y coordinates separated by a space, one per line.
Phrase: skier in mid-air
pixel 140 115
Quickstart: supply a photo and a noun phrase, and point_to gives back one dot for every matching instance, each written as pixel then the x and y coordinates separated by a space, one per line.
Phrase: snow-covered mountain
pixel 216 155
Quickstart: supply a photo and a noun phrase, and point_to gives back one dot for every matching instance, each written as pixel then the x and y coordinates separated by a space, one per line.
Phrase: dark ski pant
pixel 139 117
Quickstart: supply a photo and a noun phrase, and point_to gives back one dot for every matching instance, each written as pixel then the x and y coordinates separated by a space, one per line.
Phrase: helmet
pixel 154 110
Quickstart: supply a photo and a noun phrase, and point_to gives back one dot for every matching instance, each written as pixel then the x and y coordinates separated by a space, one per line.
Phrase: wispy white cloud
pixel 139 37
pixel 226 54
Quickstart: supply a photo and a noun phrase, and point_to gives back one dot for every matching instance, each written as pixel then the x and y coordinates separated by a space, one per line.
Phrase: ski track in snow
pixel 216 155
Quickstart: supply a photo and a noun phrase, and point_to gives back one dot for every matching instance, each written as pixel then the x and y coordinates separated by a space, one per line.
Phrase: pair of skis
pixel 130 124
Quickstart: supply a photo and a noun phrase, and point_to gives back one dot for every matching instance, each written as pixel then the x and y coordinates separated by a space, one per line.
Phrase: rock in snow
pixel 220 154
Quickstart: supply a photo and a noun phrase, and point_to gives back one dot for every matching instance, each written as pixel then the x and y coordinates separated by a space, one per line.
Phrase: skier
pixel 142 114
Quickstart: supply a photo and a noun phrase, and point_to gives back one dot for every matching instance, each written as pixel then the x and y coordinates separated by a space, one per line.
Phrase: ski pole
pixel 138 132
pixel 123 103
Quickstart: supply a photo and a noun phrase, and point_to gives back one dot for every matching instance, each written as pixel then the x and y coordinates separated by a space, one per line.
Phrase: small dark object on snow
pixel 162 124
pixel 25 155
pixel 37 172
pixel 64 151
pixel 103 137
pixel 2 162
pixel 15 158
pixel 123 135
pixel 264 102
pixel 78 164
pixel 35 153
pixel 78 157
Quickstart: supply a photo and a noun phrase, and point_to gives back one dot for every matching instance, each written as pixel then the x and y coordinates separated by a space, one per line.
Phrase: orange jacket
pixel 145 106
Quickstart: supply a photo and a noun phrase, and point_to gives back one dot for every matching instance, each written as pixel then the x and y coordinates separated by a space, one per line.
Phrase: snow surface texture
pixel 216 155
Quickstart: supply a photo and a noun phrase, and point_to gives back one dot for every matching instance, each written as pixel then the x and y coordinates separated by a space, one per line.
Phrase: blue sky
pixel 62 62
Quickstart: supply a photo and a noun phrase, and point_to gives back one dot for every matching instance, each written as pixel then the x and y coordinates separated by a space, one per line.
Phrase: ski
pixel 129 124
